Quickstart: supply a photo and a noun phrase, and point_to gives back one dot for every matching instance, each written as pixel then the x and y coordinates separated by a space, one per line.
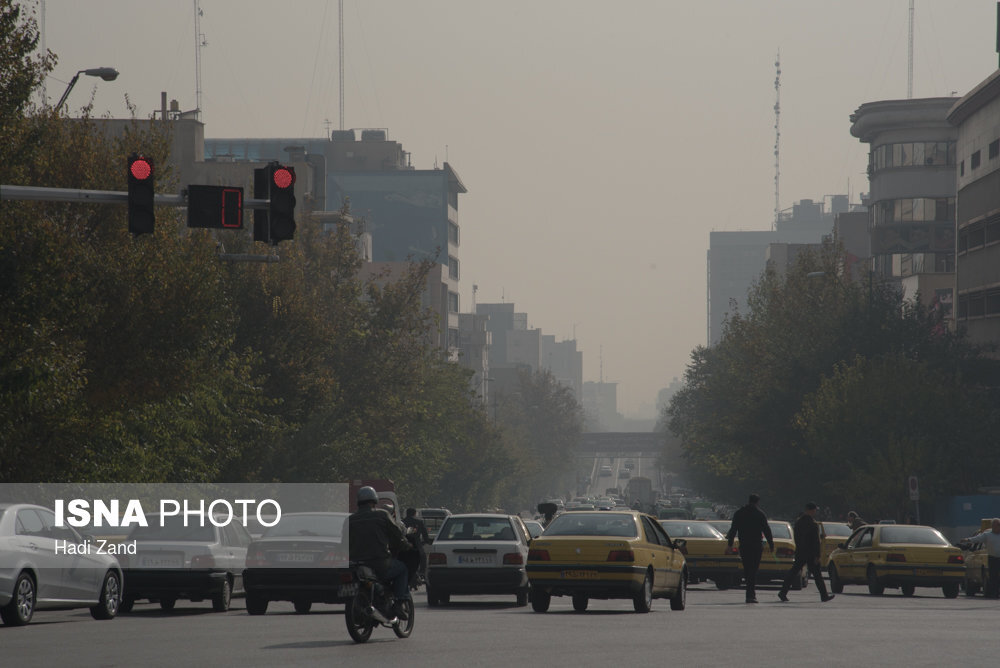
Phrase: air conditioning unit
pixel 373 135
pixel 342 135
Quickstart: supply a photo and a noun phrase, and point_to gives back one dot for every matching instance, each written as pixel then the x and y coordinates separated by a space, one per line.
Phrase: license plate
pixel 347 590
pixel 925 572
pixel 475 559
pixel 296 557
pixel 579 575
pixel 161 561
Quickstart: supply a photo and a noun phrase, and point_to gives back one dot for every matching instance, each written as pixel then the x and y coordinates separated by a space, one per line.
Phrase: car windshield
pixel 690 530
pixel 780 530
pixel 477 528
pixel 592 524
pixel 329 526
pixel 836 529
pixel 917 535
pixel 173 529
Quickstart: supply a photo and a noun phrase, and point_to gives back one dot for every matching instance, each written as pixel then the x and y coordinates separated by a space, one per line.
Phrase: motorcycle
pixel 372 605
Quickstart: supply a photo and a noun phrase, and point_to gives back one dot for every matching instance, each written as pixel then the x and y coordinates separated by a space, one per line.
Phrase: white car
pixel 192 562
pixel 46 566
pixel 478 554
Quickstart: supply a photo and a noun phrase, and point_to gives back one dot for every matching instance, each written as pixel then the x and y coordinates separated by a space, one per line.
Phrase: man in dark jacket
pixel 373 536
pixel 750 523
pixel 807 552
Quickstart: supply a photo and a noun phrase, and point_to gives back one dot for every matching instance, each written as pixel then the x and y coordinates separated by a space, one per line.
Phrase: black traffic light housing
pixel 281 209
pixel 141 194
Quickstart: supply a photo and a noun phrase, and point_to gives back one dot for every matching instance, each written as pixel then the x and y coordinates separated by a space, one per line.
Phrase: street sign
pixel 914 491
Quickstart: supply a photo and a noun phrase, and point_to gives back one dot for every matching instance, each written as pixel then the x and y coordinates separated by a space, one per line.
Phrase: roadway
pixel 643 464
pixel 717 628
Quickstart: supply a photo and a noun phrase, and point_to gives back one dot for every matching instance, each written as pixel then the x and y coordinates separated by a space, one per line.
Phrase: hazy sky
pixel 600 142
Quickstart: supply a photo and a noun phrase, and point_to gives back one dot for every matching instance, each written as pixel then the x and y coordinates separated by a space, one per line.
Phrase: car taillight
pixel 256 558
pixel 956 559
pixel 895 556
pixel 346 578
pixel 437 559
pixel 538 555
pixel 621 555
pixel 203 561
pixel 785 552
pixel 514 558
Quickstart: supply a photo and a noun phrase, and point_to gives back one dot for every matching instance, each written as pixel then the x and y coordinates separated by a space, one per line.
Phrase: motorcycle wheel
pixel 359 623
pixel 404 629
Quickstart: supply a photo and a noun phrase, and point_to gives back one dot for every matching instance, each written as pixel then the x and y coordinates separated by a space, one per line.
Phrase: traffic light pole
pixel 38 193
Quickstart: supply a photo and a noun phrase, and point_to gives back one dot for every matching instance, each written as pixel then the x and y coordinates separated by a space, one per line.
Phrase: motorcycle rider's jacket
pixel 373 536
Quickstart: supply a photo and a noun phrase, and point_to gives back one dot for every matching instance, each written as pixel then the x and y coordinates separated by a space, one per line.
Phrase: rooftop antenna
pixel 199 42
pixel 777 136
pixel 340 24
pixel 909 59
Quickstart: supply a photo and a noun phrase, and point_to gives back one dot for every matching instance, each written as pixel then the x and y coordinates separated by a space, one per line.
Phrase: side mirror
pixel 680 543
pixel 842 546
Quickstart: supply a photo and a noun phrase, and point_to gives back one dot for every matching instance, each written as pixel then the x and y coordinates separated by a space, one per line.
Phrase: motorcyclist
pixel 418 537
pixel 373 539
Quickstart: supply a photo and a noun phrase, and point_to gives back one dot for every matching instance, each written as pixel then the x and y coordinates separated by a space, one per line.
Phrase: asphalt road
pixel 717 628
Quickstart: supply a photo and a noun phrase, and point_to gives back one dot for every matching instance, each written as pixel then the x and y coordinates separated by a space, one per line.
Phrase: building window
pixel 453 234
pixel 912 154
pixel 974 160
pixel 453 267
pixel 453 341
pixel 961 168
pixel 452 302
pixel 994 148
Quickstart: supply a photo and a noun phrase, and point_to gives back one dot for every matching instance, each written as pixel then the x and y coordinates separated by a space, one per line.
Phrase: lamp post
pixel 106 73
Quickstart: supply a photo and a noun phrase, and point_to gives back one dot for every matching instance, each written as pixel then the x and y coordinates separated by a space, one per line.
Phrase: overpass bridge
pixel 625 442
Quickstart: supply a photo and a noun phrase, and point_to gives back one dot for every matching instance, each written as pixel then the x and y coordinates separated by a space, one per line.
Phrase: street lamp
pixel 106 73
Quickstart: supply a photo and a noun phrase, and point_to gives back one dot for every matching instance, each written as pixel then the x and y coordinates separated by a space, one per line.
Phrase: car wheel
pixel 643 600
pixel 908 590
pixel 221 601
pixel 875 588
pixel 168 603
pixel 303 607
pixel 111 597
pixel 522 597
pixel 580 602
pixel 836 584
pixel 256 605
pixel 540 600
pixel 432 598
pixel 679 600
pixel 950 590
pixel 723 583
pixel 126 605
pixel 22 604
pixel 971 588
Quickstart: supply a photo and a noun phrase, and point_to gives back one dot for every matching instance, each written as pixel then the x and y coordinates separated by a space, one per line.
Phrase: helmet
pixel 367 495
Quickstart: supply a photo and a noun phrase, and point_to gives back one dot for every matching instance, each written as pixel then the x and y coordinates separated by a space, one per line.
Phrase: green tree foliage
pixel 542 423
pixel 757 412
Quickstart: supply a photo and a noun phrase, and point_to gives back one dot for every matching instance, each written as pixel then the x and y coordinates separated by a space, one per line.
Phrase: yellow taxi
pixel 707 554
pixel 904 556
pixel 977 570
pixel 831 534
pixel 605 555
pixel 774 565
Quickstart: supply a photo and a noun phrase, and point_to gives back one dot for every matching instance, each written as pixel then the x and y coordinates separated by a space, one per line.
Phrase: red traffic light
pixel 283 177
pixel 141 169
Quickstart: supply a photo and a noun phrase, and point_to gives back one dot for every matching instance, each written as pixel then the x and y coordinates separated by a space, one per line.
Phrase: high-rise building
pixel 911 207
pixel 977 267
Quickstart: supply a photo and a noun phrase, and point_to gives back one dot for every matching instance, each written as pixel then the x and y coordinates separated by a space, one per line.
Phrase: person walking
pixel 807 551
pixel 992 540
pixel 750 525
pixel 854 521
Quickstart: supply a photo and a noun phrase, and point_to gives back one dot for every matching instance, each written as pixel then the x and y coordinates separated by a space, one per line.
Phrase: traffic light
pixel 141 194
pixel 281 210
pixel 217 207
